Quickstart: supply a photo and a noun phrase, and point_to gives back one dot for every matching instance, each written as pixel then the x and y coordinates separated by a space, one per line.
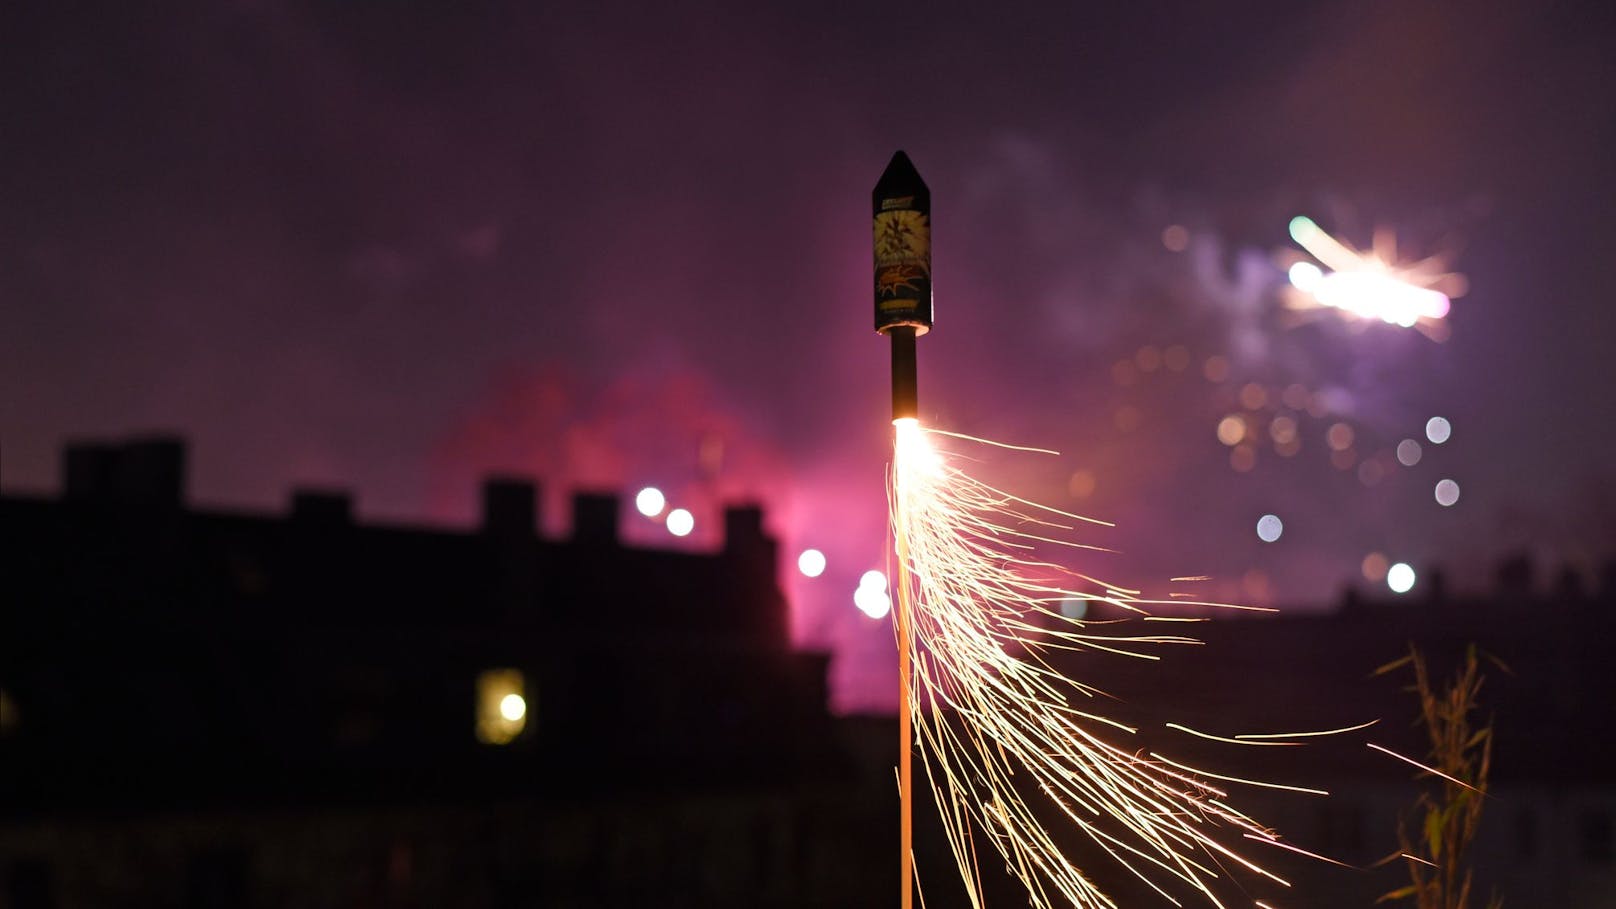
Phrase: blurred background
pixel 338 342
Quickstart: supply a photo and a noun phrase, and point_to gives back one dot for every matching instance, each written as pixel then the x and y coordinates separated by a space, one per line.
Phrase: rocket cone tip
pixel 900 174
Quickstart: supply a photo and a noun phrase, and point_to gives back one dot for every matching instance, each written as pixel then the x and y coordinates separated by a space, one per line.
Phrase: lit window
pixel 501 706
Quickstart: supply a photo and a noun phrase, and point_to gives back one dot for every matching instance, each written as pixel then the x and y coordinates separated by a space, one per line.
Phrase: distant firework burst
pixel 1372 285
pixel 995 722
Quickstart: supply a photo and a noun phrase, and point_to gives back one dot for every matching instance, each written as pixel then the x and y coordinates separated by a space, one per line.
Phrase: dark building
pixel 207 709
pixel 214 709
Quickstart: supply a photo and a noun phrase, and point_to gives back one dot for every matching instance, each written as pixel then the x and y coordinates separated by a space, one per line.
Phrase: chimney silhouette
pixel 743 529
pixel 594 517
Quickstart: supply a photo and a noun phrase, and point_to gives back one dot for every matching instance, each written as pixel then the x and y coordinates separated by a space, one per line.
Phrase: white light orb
pixel 1438 429
pixel 1305 276
pixel 1400 577
pixel 512 707
pixel 1447 493
pixel 811 563
pixel 872 601
pixel 650 501
pixel 1408 452
pixel 1269 527
pixel 874 580
pixel 681 522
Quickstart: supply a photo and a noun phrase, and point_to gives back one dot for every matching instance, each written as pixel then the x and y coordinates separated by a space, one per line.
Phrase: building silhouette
pixel 209 709
pixel 205 708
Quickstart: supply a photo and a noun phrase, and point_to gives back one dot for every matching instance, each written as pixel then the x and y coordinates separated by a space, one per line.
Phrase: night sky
pixel 395 246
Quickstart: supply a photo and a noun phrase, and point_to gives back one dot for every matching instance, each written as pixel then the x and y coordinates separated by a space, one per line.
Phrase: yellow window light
pixel 502 706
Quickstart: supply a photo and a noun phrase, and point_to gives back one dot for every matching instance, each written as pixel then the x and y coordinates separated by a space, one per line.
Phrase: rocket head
pixel 901 209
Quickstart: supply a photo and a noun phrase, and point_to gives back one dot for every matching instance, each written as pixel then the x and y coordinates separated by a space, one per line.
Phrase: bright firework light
pixel 1373 285
pixel 984 625
pixel 976 628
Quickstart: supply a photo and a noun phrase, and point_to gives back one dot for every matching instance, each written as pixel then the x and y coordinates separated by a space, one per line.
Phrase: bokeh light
pixel 1400 577
pixel 1283 430
pixel 1447 493
pixel 1175 238
pixel 1370 473
pixel 1231 429
pixel 1243 458
pixel 1216 369
pixel 1253 396
pixel 1374 567
pixel 872 601
pixel 1269 528
pixel 1081 484
pixel 811 563
pixel 1339 437
pixel 681 522
pixel 1409 452
pixel 874 580
pixel 1074 607
pixel 1438 429
pixel 1177 358
pixel 650 501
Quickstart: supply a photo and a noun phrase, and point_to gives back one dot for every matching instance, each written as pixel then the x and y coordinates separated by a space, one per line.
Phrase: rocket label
pixel 902 262
pixel 901 210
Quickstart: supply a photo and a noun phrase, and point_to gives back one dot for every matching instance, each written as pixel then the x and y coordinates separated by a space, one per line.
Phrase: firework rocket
pixel 901 209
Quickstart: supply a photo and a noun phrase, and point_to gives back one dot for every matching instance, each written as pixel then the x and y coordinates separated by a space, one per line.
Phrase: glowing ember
pixel 994 720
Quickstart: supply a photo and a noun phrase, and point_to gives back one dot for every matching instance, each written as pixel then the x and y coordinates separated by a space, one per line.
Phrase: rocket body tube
pixel 901 212
pixel 905 385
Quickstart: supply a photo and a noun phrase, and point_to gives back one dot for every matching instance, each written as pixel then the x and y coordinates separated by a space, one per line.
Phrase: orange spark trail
pixel 1000 732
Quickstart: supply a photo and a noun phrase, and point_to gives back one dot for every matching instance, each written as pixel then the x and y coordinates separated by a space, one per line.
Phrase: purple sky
pixel 395 245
